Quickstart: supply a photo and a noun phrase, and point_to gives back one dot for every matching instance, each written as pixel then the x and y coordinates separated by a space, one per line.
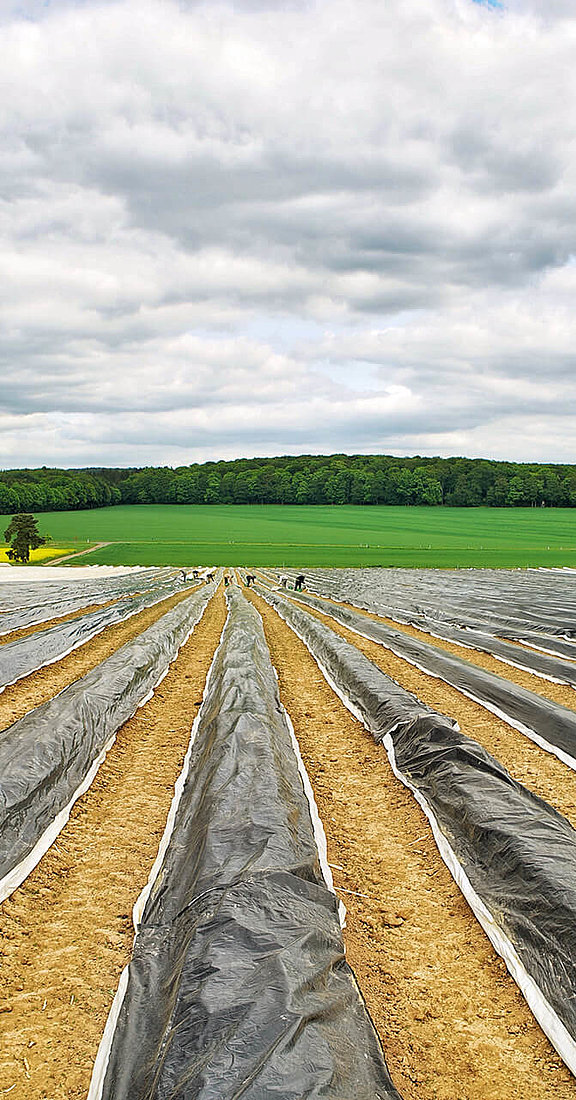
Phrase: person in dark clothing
pixel 299 582
pixel 250 579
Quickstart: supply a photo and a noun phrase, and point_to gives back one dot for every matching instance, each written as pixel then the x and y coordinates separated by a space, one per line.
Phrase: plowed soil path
pixel 17 700
pixel 67 932
pixel 454 1025
pixel 536 769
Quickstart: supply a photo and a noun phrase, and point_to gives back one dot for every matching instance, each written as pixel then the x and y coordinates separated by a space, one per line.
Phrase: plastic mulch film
pixel 512 855
pixel 541 663
pixel 550 725
pixel 533 606
pixel 238 985
pixel 26 655
pixel 30 603
pixel 50 756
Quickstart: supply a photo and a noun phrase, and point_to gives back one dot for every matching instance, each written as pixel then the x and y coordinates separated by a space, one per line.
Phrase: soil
pixel 453 1024
pixel 537 769
pixel 30 692
pixel 67 932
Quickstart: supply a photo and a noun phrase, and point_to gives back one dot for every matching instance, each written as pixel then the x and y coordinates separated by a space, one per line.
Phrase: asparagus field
pixel 259 837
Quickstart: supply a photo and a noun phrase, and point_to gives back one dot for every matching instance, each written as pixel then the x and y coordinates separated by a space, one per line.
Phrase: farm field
pixel 318 536
pixel 447 830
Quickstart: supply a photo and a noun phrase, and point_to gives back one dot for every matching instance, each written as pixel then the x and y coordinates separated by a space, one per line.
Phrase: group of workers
pixel 299 580
pixel 195 575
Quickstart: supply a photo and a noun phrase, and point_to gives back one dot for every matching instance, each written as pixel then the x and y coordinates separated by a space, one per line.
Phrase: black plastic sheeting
pixel 554 725
pixel 390 704
pixel 238 986
pixel 541 663
pixel 19 590
pixel 31 602
pixel 26 655
pixel 533 606
pixel 46 756
pixel 517 852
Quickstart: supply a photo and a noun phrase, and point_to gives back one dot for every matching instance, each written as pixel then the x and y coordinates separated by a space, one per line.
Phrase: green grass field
pixel 317 536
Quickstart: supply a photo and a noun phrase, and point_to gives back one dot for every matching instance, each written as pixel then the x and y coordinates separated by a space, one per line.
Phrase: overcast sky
pixel 266 227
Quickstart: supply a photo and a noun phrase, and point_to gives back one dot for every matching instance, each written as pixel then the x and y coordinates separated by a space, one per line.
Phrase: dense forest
pixel 306 479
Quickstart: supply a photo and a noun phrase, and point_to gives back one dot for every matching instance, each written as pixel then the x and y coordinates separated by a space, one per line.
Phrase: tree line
pixel 305 479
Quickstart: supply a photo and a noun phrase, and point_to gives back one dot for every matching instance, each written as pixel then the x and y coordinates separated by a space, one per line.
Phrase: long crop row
pixel 237 982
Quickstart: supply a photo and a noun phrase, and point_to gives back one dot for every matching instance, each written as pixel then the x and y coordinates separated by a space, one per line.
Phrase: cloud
pixel 263 227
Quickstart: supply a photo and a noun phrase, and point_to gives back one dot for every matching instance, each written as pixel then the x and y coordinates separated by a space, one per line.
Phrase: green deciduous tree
pixel 23 536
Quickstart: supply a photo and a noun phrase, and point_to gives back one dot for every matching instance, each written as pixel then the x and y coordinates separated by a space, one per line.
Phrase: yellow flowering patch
pixel 43 553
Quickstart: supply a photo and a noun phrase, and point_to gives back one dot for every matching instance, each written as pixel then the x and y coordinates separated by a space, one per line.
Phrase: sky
pixel 260 227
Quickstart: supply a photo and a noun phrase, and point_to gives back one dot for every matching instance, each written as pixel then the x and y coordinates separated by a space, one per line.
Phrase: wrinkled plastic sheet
pixel 533 606
pixel 27 604
pixel 238 986
pixel 551 725
pixel 26 655
pixel 391 706
pixel 511 853
pixel 46 756
pixel 540 663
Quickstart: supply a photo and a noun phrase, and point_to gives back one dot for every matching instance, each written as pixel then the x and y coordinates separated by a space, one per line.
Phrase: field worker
pixel 195 574
pixel 250 578
pixel 283 581
pixel 183 576
pixel 299 582
pixel 226 580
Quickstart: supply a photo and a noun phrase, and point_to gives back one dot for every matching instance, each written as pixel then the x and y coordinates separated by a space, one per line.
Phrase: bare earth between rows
pixel 454 1025
pixel 30 692
pixel 67 932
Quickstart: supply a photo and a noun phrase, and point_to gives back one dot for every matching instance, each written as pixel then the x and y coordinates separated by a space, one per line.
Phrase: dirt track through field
pixel 454 1025
pixel 536 769
pixel 30 692
pixel 78 553
pixel 67 932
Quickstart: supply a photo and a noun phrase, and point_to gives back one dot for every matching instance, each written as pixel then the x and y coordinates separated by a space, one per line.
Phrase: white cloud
pixel 188 188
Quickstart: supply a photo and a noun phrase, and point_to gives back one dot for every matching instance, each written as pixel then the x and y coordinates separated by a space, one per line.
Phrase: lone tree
pixel 23 535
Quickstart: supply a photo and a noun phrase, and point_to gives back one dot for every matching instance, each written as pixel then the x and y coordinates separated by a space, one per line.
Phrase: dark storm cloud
pixel 186 187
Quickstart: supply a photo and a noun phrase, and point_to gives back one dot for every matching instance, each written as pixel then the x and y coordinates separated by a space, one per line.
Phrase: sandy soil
pixel 17 700
pixel 453 1024
pixel 539 770
pixel 67 932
